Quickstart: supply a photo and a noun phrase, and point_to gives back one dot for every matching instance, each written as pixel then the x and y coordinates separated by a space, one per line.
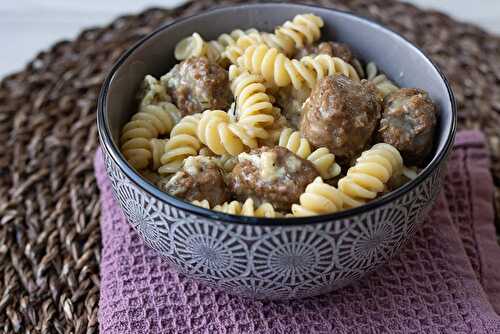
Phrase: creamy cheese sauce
pixel 293 164
pixel 266 164
pixel 174 186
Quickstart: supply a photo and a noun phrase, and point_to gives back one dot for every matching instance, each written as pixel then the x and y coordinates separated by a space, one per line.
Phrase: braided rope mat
pixel 49 202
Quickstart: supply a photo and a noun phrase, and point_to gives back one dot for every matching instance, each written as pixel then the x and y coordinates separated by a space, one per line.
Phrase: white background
pixel 29 26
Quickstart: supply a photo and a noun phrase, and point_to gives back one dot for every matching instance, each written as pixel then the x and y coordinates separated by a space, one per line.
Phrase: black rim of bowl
pixel 138 180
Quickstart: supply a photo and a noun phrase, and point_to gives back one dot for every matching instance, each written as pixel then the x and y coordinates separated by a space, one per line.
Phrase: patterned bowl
pixel 273 258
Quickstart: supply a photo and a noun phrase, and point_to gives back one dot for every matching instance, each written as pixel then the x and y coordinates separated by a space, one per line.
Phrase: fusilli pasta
pixel 254 107
pixel 183 142
pixel 276 68
pixel 284 45
pixel 237 208
pixel 370 174
pixel 247 209
pixel 135 144
pixel 163 116
pixel 150 122
pixel 359 68
pixel 321 157
pixel 383 84
pixel 225 40
pixel 223 136
pixel 302 30
pixel 195 46
pixel 319 198
pixel 157 147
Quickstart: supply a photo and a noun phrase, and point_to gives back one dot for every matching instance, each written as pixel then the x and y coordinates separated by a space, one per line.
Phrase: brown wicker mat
pixel 49 202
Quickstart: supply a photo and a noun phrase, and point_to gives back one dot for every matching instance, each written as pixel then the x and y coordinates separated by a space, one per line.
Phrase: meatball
pixel 291 101
pixel 200 178
pixel 197 84
pixel 273 175
pixel 342 115
pixel 408 123
pixel 333 49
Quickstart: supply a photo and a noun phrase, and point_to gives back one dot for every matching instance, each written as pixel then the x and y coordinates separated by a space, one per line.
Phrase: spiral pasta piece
pixel 195 46
pixel 370 174
pixel 150 122
pixel 224 136
pixel 323 160
pixel 325 163
pixel 243 209
pixel 191 46
pixel 225 40
pixel 135 143
pixel 247 209
pixel 295 143
pixel 276 68
pixel 302 30
pixel 163 116
pixel 283 45
pixel 383 84
pixel 157 148
pixel 183 143
pixel 324 65
pixel 254 107
pixel 319 198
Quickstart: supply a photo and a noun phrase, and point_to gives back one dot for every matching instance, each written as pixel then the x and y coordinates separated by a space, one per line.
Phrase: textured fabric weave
pixel 445 280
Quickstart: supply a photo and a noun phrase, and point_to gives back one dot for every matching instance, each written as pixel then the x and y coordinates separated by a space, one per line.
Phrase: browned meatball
pixel 197 84
pixel 408 123
pixel 341 114
pixel 333 49
pixel 200 178
pixel 273 175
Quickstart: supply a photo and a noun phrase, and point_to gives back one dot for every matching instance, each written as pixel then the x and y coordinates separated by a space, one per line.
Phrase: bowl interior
pixel 400 60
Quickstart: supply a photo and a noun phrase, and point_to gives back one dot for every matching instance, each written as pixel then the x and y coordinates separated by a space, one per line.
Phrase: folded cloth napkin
pixel 445 280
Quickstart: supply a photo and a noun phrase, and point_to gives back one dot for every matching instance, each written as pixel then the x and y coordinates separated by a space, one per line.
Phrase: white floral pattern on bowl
pixel 281 262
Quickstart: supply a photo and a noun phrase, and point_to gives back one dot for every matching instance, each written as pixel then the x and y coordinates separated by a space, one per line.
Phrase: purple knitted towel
pixel 446 279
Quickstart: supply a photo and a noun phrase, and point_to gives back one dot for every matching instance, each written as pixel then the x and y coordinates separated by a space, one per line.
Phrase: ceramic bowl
pixel 273 258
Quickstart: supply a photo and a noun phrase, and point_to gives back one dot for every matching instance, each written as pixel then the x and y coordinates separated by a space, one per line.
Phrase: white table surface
pixel 29 26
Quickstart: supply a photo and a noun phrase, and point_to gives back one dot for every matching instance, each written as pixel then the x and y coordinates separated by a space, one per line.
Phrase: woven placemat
pixel 49 202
